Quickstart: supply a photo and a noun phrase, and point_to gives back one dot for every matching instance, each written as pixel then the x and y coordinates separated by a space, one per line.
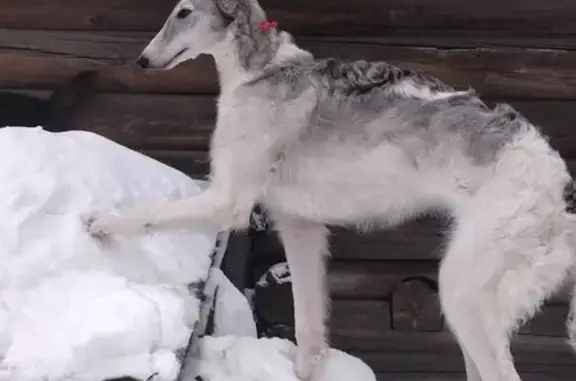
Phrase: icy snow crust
pixel 232 358
pixel 76 308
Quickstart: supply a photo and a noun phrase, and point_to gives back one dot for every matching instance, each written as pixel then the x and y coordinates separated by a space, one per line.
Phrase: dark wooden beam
pixel 377 279
pixel 531 352
pixel 360 318
pixel 437 357
pixel 43 59
pixel 368 280
pixel 318 17
pixel 551 375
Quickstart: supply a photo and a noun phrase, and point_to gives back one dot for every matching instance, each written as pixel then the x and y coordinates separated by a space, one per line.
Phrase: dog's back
pixel 403 137
pixel 53 114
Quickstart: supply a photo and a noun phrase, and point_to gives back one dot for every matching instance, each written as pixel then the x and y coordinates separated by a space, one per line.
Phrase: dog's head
pixel 195 27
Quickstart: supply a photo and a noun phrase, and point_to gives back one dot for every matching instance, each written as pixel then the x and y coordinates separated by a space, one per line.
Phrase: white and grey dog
pixel 320 142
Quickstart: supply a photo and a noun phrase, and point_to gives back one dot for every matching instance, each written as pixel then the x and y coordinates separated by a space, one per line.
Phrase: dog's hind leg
pixel 492 280
pixel 306 247
pixel 466 306
pixel 472 372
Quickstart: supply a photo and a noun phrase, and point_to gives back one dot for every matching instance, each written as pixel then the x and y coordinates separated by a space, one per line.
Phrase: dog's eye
pixel 183 13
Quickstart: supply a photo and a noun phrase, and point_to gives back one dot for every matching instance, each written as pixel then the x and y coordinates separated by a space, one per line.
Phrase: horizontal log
pixel 195 164
pixel 531 351
pixel 555 120
pixel 420 239
pixel 413 309
pixel 42 59
pixel 170 123
pixel 360 318
pixel 319 17
pixel 376 280
pixel 431 355
pixel 45 58
pixel 439 362
pixel 554 374
pixel 175 130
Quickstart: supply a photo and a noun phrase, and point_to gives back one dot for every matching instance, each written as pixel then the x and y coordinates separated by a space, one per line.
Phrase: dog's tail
pixel 68 99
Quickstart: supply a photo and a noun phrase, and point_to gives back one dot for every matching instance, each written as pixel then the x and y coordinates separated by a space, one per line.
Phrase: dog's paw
pixel 309 362
pixel 101 224
pixel 98 224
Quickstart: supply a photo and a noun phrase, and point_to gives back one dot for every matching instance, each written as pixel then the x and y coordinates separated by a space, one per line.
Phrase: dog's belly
pixel 342 189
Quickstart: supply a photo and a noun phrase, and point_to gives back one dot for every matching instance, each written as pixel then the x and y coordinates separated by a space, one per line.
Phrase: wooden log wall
pixel 383 284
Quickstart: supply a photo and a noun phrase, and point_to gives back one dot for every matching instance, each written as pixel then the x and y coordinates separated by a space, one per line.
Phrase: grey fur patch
pixel 255 48
pixel 357 78
pixel 485 140
pixel 343 78
pixel 356 104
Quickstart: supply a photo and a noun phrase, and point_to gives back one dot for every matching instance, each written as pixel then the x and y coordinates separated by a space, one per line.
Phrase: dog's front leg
pixel 306 247
pixel 211 206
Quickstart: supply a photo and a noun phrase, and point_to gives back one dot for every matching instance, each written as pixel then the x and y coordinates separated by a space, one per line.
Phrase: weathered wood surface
pixel 43 58
pixel 360 318
pixel 556 375
pixel 539 349
pixel 421 240
pixel 412 308
pixel 396 351
pixel 549 322
pixel 318 17
pixel 368 280
pixel 376 280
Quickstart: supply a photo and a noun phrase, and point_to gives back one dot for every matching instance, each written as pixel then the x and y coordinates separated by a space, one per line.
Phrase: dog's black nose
pixel 143 62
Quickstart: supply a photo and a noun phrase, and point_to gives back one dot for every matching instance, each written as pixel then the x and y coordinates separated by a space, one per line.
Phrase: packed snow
pixel 232 358
pixel 74 307
pixel 233 314
pixel 77 308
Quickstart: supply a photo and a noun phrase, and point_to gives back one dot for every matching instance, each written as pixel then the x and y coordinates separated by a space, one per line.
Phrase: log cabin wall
pixel 383 284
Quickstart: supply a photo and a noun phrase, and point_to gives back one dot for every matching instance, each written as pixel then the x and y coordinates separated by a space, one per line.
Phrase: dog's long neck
pixel 231 72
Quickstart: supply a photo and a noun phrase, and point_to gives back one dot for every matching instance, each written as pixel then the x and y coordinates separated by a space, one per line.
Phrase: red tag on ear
pixel 267 25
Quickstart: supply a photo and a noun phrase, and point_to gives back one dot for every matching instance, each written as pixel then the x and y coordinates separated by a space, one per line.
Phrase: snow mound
pixel 233 314
pixel 232 358
pixel 74 307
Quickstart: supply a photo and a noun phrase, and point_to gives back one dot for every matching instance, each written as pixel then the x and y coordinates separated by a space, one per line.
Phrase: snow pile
pixel 248 359
pixel 74 307
pixel 233 314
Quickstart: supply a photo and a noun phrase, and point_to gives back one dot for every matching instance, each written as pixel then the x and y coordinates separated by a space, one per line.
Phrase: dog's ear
pixel 228 8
